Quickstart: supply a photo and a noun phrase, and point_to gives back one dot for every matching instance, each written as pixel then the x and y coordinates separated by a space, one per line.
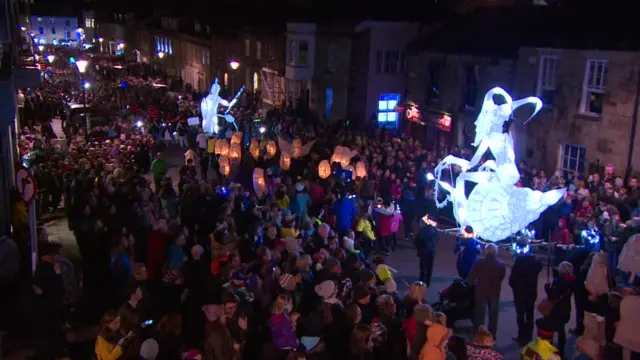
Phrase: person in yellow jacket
pixel 541 348
pixel 109 345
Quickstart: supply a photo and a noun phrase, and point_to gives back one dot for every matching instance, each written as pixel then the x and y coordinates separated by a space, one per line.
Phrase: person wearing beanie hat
pixel 287 282
pixel 192 354
pixel 149 349
pixel 362 298
pixel 542 347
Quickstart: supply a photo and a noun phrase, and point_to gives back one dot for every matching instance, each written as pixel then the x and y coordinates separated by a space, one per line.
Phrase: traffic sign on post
pixel 26 185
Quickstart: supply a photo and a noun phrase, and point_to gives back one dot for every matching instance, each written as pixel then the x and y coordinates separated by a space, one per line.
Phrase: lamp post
pixel 100 40
pixel 234 66
pixel 51 58
pixel 82 68
pixel 41 48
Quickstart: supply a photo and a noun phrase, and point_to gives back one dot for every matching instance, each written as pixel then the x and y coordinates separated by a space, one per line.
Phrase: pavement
pixel 404 260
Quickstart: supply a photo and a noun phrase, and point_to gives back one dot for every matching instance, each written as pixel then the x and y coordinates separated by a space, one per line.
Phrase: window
pixel 571 159
pixel 391 59
pixel 89 22
pixel 379 61
pixel 41 30
pixel 256 81
pixel 331 57
pixel 595 81
pixel 67 34
pixel 226 79
pixel 303 53
pixel 207 29
pixel 247 47
pixel 328 102
pixel 547 79
pixel 197 27
pixel 53 31
pixel 67 22
pixel 386 108
pixel 39 20
pixel 293 52
pixel 471 91
pixel 432 92
pixel 206 57
pixel 402 63
pixel 258 50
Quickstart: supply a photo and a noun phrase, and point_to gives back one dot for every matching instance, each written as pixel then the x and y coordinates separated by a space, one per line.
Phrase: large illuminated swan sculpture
pixel 496 208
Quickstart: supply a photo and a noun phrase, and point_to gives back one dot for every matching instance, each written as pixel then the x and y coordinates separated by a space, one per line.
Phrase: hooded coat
pixel 435 347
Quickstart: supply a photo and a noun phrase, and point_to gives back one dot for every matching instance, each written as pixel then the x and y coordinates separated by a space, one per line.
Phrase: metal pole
pixel 233 82
pixel 86 118
pixel 33 236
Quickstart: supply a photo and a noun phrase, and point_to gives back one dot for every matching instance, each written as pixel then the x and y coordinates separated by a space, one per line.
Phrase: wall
pixel 48 23
pixel 606 138
pixel 359 78
pixel 452 88
pixel 385 36
pixel 332 66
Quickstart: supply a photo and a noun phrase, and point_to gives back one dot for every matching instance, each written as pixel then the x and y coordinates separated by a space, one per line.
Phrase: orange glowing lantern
pixel 285 161
pixel 324 169
pixel 272 148
pixel 225 166
pixel 235 151
pixel 297 148
pixel 361 170
pixel 254 148
pixel 222 147
pixel 236 138
pixel 259 183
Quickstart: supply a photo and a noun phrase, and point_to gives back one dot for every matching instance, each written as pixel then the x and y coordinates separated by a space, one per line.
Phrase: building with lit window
pixel 55 30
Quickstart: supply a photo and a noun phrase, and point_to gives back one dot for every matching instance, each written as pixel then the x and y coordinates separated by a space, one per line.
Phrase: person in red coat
pixel 156 247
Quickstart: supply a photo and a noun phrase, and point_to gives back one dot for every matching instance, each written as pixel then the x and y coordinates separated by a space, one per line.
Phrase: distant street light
pixel 234 66
pixel 161 54
pixel 86 85
pixel 41 47
pixel 82 67
pixel 51 58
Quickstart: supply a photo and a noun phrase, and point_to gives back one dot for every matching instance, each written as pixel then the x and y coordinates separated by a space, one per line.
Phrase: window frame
pixel 258 50
pixel 382 113
pixel 581 157
pixel 468 86
pixel 247 47
pixel 547 77
pixel 599 86
pixel 379 61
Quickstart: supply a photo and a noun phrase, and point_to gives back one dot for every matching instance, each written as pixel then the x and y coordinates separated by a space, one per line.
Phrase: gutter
pixel 634 126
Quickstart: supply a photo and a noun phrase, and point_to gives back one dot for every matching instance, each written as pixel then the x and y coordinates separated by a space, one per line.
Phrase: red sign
pixel 444 123
pixel 26 185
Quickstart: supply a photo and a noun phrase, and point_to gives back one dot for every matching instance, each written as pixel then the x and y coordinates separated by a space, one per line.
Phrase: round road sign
pixel 26 185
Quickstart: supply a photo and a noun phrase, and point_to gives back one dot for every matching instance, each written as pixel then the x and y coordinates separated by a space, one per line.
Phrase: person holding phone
pixel 110 342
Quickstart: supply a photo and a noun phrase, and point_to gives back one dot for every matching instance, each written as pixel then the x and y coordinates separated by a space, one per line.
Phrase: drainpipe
pixel 634 126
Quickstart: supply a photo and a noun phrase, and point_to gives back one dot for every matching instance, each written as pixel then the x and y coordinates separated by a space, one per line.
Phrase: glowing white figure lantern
pixel 496 208
pixel 259 183
pixel 236 138
pixel 324 169
pixel 222 147
pixel 285 161
pixel 272 148
pixel 342 155
pixel 235 152
pixel 225 166
pixel 361 170
pixel 254 148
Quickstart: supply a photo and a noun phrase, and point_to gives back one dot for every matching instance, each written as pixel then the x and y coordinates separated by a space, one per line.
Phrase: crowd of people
pixel 214 269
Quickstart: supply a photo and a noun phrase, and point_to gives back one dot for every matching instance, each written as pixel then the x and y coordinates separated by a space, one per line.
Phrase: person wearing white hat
pixel 149 349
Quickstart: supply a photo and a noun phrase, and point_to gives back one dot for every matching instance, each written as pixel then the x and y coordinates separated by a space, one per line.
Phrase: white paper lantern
pixel 236 138
pixel 259 182
pixel 224 165
pixel 324 169
pixel 361 170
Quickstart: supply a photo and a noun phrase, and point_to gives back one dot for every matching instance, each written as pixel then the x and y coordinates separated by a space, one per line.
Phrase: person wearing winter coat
pixel 385 213
pixel 299 205
pixel 559 293
pixel 283 334
pixel 598 283
pixel 523 281
pixel 426 244
pixel 467 251
pixel 436 346
pixel 481 348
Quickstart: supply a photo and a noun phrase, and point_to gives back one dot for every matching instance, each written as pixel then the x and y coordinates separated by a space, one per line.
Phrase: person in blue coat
pixel 467 250
pixel 344 210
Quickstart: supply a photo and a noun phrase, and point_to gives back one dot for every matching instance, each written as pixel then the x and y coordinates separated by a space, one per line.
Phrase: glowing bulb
pixel 41 47
pixel 139 123
pixel 430 177
pixel 86 85
pixel 234 65
pixel 51 58
pixel 262 130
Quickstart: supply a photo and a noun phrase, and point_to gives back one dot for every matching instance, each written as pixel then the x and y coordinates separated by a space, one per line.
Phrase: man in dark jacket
pixel 426 246
pixel 487 275
pixel 524 284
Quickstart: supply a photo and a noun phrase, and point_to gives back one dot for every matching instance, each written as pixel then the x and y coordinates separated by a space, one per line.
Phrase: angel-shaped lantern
pixel 342 155
pixel 295 150
pixel 222 147
pixel 254 148
pixel 324 169
pixel 259 183
pixel 225 166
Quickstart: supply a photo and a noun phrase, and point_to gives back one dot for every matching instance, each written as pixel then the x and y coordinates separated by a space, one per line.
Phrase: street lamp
pixel 82 67
pixel 51 58
pixel 161 54
pixel 100 40
pixel 234 66
pixel 86 85
pixel 41 47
